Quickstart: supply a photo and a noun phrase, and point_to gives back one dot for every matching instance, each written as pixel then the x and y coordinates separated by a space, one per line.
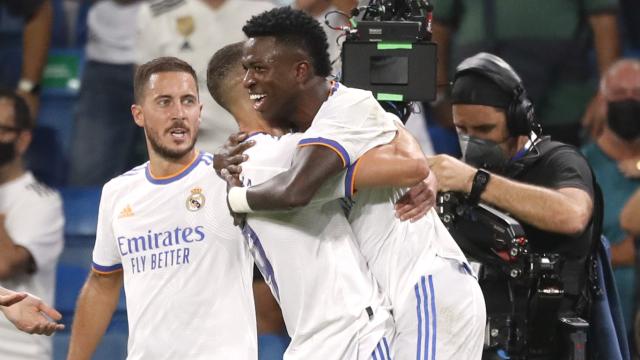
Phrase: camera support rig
pixel 535 288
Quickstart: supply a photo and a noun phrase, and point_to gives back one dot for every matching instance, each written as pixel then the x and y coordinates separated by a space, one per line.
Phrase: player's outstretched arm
pixel 96 305
pixel 400 163
pixel 30 314
pixel 293 188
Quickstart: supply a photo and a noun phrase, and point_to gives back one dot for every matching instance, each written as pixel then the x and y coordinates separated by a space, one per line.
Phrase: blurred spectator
pixel 105 139
pixel 27 313
pixel 322 10
pixel 193 30
pixel 25 34
pixel 619 141
pixel 630 215
pixel 31 228
pixel 547 43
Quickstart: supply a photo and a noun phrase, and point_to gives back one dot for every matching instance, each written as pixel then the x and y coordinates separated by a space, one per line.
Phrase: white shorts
pixel 443 318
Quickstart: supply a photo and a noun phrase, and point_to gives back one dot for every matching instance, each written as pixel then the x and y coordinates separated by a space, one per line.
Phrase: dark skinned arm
pixel 312 165
pixel 399 163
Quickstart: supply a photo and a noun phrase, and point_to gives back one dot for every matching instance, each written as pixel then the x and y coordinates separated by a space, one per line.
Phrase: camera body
pixel 531 323
pixel 389 51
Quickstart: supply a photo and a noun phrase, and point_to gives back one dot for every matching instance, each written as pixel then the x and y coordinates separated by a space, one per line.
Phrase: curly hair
pixel 222 65
pixel 294 28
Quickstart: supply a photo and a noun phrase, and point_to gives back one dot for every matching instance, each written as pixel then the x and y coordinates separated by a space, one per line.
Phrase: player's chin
pixel 181 148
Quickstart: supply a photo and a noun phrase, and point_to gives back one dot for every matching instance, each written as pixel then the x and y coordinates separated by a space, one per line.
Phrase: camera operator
pixel 508 164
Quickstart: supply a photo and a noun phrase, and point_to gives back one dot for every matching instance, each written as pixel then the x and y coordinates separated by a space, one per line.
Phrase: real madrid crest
pixel 196 200
pixel 186 26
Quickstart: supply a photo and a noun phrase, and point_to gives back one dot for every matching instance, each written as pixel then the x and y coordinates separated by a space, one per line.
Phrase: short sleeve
pixel 106 257
pixel 351 125
pixel 571 170
pixel 37 224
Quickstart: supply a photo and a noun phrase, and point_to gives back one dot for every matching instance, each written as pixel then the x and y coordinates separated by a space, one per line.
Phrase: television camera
pixel 498 247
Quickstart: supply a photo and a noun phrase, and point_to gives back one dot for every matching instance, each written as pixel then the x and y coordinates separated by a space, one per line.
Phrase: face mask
pixel 623 118
pixel 481 153
pixel 7 152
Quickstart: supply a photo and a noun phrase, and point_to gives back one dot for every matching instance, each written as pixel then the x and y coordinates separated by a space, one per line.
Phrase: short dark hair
pixel 159 65
pixel 294 27
pixel 23 118
pixel 221 66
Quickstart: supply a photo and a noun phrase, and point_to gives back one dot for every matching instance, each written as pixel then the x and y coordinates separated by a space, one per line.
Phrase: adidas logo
pixel 126 212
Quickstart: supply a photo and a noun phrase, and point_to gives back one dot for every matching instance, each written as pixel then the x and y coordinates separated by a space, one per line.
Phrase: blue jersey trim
pixel 433 317
pixel 106 269
pixel 425 308
pixel 176 177
pixel 334 145
pixel 419 315
pixel 261 260
pixel 254 134
pixel 350 178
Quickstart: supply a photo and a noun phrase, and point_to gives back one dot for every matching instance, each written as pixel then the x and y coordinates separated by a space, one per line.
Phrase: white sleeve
pixel 37 224
pixel 106 257
pixel 351 126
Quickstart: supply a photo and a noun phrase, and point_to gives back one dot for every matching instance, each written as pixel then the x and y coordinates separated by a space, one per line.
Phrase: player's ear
pixel 304 71
pixel 23 142
pixel 138 117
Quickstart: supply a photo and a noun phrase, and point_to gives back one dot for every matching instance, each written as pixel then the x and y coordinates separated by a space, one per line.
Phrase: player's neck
pixel 11 171
pixel 250 121
pixel 310 102
pixel 161 167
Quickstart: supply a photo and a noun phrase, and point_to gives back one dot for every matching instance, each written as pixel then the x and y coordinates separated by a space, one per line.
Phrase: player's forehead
pixel 263 49
pixel 171 83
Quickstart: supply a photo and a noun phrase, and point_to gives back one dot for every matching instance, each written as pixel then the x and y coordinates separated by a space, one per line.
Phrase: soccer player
pixel 416 264
pixel 331 304
pixel 164 231
pixel 224 80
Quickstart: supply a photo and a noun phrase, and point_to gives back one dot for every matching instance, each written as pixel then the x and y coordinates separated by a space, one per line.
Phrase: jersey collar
pixel 173 177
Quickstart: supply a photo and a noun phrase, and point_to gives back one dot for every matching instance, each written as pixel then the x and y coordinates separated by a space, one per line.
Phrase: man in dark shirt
pixel 508 164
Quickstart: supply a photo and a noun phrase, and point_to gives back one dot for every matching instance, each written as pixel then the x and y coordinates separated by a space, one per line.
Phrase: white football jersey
pixel 330 301
pixel 351 122
pixel 398 252
pixel 187 270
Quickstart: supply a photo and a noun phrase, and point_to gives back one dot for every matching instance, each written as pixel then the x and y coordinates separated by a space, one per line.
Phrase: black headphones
pixel 520 115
